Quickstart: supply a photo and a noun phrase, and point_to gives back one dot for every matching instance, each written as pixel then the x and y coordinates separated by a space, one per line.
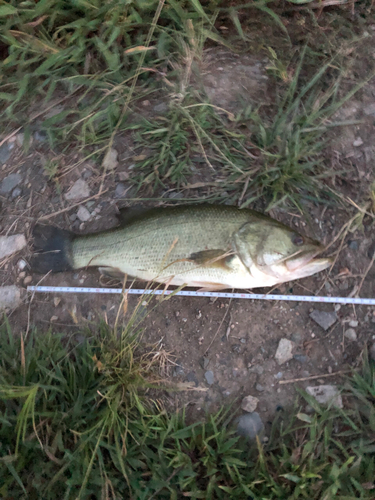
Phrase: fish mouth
pixel 308 264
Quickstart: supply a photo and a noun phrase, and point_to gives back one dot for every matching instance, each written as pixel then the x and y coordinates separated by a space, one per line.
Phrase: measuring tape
pixel 220 295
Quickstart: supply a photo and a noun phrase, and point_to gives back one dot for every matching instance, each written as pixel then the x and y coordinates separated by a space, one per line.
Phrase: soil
pixel 235 339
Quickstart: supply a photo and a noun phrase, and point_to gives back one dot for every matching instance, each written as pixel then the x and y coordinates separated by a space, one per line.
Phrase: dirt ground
pixel 236 340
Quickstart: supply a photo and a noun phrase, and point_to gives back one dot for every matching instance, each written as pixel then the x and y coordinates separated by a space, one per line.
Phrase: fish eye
pixel 298 240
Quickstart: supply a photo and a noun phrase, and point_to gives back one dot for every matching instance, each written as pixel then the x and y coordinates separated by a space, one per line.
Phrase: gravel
pixel 323 318
pixel 11 244
pixel 79 191
pixel 326 395
pixel 284 351
pixel 209 376
pixel 10 297
pixel 249 403
pixel 9 183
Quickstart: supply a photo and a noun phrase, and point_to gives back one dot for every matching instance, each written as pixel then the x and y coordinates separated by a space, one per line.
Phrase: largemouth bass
pixel 208 246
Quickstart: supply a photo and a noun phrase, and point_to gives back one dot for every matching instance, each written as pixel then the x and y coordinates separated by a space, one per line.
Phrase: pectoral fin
pixel 112 272
pixel 212 258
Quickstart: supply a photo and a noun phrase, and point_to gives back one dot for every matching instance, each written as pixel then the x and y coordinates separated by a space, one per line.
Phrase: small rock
pixel 237 348
pixel 20 139
pixel 369 109
pixel 350 334
pixel 191 377
pixel 27 280
pixel 78 191
pixel 353 323
pixel 56 301
pixel 161 108
pixel 250 425
pixel 40 136
pixel 123 176
pixel 326 394
pixel 358 142
pixel 284 351
pixel 323 318
pixel 73 217
pixel 9 183
pixel 11 244
pixel 209 376
pixel 21 264
pixel 16 193
pixel 353 245
pixel 54 318
pixel 259 388
pixel 110 160
pixel 258 369
pixel 205 362
pixel 10 297
pixel 22 275
pixel 5 152
pixel 83 214
pixel 176 195
pixel 372 352
pixel 178 371
pixel 120 190
pixel 301 358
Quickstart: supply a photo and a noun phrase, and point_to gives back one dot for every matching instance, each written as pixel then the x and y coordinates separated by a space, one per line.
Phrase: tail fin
pixel 52 250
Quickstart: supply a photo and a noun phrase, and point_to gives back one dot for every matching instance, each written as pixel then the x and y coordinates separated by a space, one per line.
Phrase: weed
pixel 76 423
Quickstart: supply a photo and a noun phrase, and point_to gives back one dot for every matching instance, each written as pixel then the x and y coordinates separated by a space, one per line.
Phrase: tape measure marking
pixel 220 295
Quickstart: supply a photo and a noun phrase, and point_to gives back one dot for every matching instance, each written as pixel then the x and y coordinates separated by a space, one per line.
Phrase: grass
pixel 89 64
pixel 77 422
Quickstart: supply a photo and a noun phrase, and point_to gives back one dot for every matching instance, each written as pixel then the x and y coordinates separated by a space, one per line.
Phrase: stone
pixel 20 138
pixel 9 183
pixel 5 152
pixel 326 395
pixel 323 318
pixel 161 108
pixel 110 159
pixel 369 109
pixel 16 193
pixel 250 426
pixel 83 214
pixel 249 403
pixel 301 358
pixel 120 190
pixel 123 176
pixel 258 369
pixel 353 323
pixel 353 245
pixel 79 191
pixel 27 280
pixel 350 334
pixel 40 136
pixel 284 351
pixel 10 297
pixel 11 244
pixel 358 142
pixel 209 376
pixel 259 388
pixel 191 377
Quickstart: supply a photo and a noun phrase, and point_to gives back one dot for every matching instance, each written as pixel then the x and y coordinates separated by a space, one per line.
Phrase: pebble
pixel 369 109
pixel 78 191
pixel 27 280
pixel 83 214
pixel 11 244
pixel 22 275
pixel 56 301
pixel 21 264
pixel 350 334
pixel 20 137
pixel 110 159
pixel 9 183
pixel 250 425
pixel 353 323
pixel 123 176
pixel 258 369
pixel 5 152
pixel 326 394
pixel 120 190
pixel 205 362
pixel 301 358
pixel 191 377
pixel 353 245
pixel 284 351
pixel 209 376
pixel 358 142
pixel 10 297
pixel 40 136
pixel 243 341
pixel 161 108
pixel 16 192
pixel 178 371
pixel 259 388
pixel 237 348
pixel 323 318
pixel 54 318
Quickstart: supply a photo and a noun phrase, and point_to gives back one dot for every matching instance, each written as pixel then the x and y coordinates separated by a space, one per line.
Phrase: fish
pixel 213 247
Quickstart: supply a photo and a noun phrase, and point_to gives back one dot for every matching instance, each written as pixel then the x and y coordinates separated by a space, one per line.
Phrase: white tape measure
pixel 220 295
